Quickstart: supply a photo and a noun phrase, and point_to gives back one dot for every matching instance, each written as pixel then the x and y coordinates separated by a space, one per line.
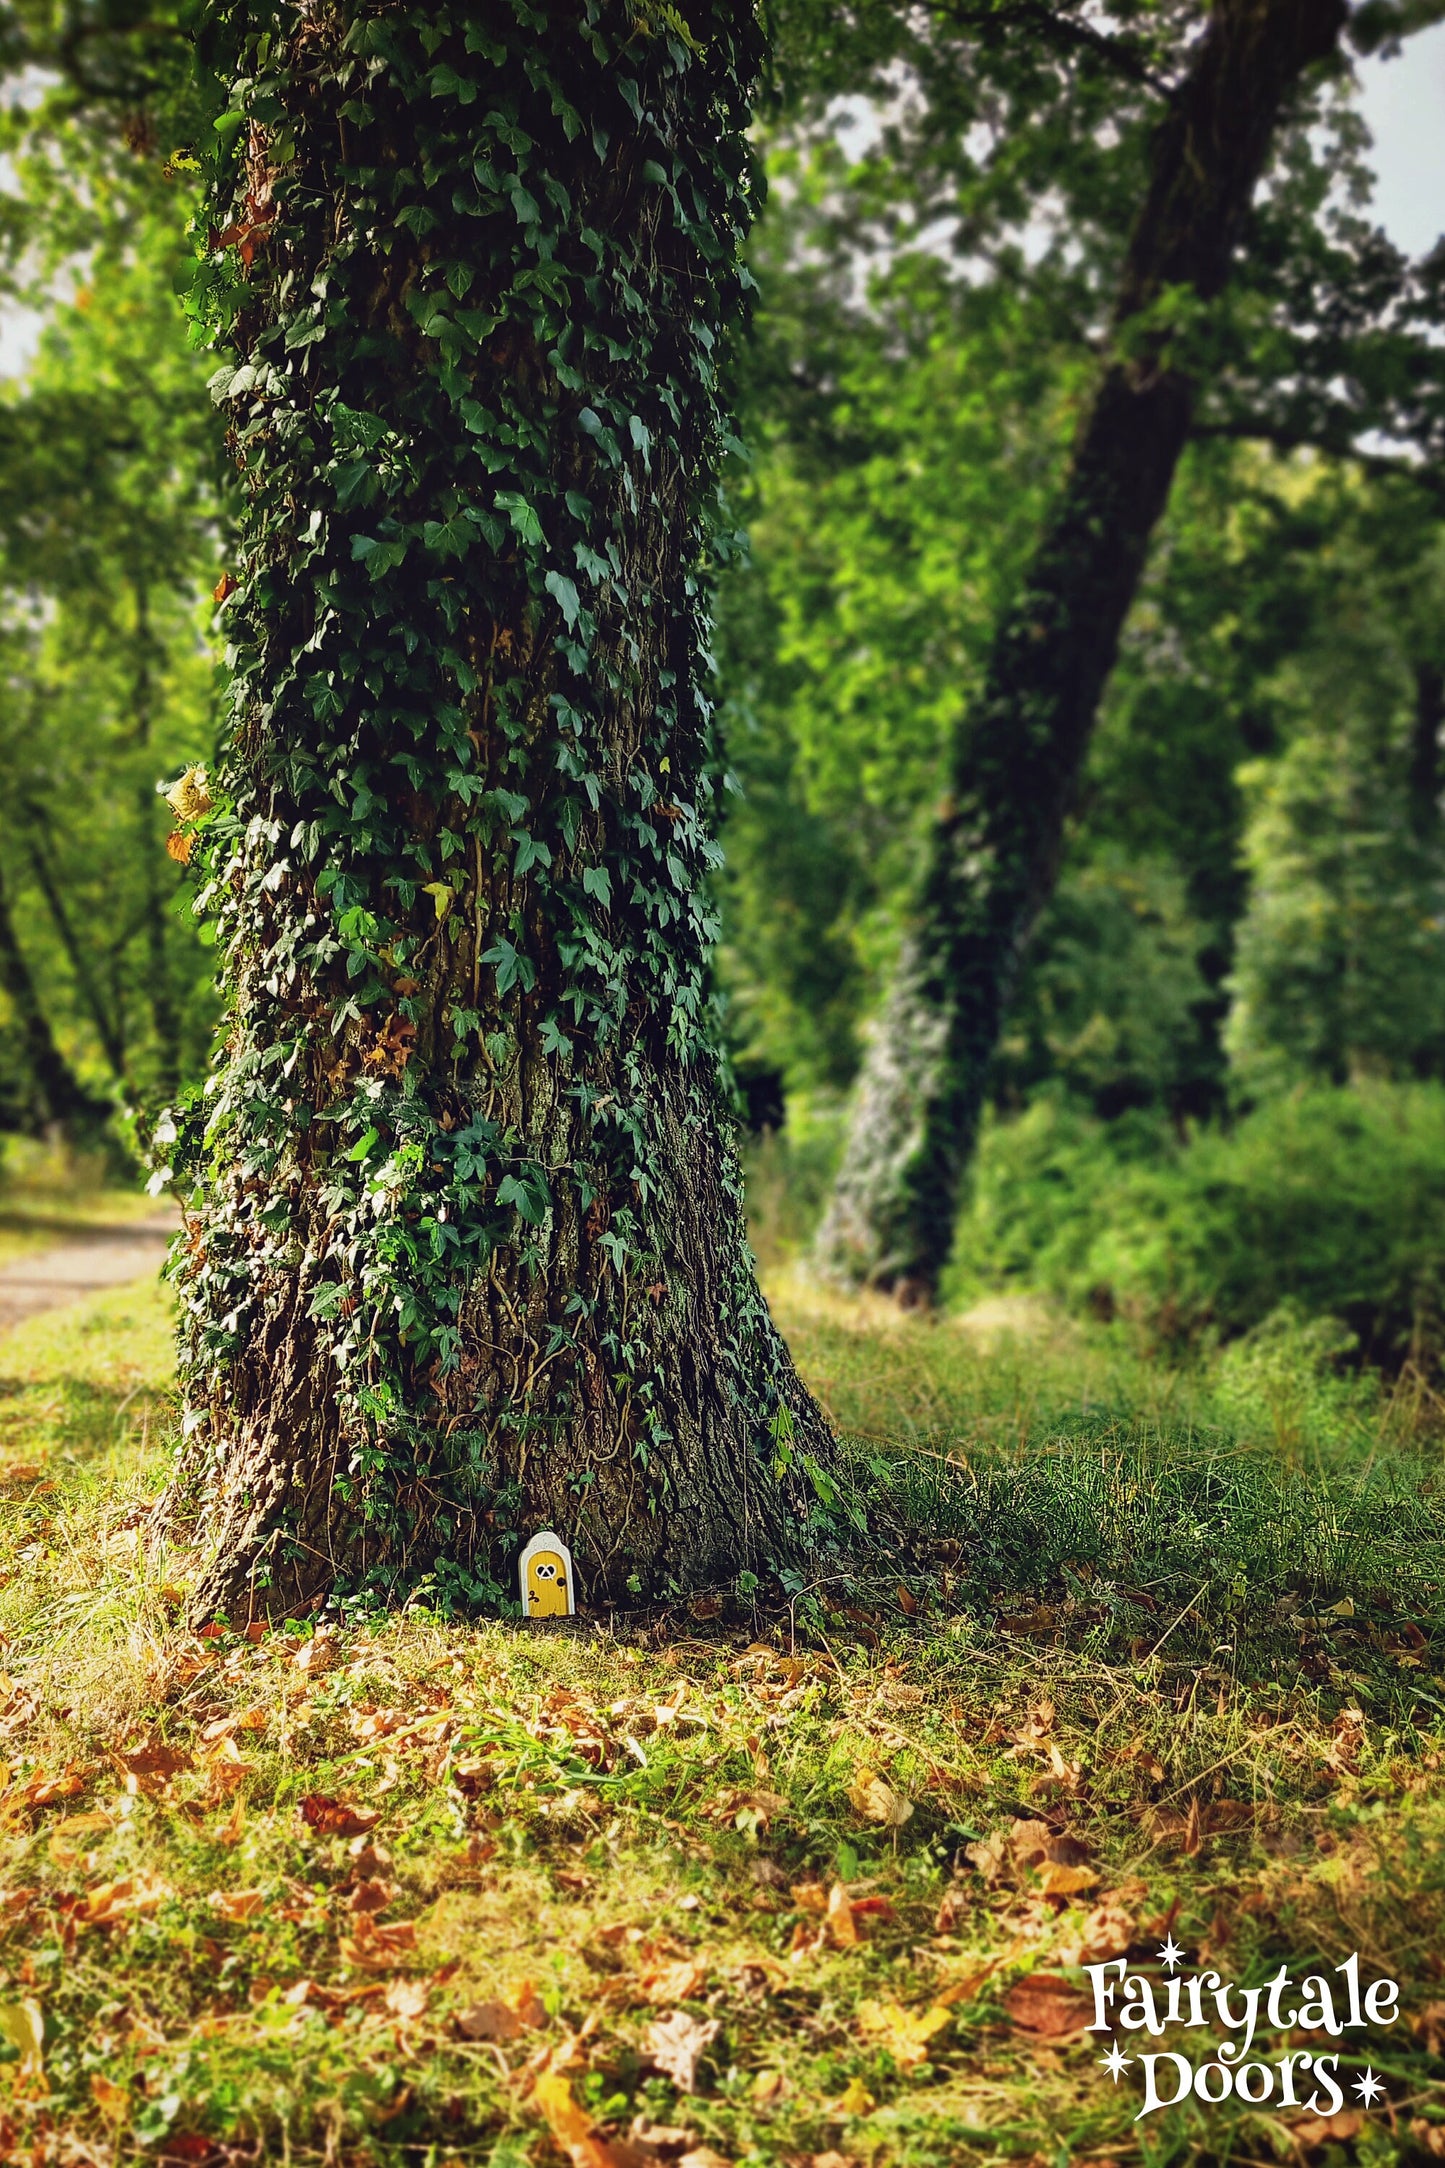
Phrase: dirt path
pixel 102 1257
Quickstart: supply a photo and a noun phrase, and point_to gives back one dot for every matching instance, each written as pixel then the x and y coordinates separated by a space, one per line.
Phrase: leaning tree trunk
pixel 995 846
pixel 464 1253
pixel 61 1101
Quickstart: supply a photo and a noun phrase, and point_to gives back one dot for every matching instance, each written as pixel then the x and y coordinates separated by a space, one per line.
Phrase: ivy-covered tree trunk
pixel 995 846
pixel 464 1252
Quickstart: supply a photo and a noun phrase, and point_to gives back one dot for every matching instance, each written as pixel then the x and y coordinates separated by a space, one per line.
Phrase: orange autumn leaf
pixel 112 2100
pixel 179 845
pixel 44 1791
pixel 83 1825
pixel 154 1759
pixel 111 1902
pixel 572 2127
pixel 1056 1880
pixel 237 1905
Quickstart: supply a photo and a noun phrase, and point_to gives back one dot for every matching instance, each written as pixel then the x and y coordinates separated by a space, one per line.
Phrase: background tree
pixel 465 1251
pixel 994 852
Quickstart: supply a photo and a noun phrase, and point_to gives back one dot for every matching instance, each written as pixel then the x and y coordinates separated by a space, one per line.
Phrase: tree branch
pixel 1121 55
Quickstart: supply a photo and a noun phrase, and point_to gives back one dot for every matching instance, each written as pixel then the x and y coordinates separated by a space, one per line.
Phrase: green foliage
pixel 108 539
pixel 1110 1008
pixel 1331 1200
pixel 1340 967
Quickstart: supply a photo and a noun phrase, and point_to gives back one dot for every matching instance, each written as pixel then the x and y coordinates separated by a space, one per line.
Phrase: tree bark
pixel 465 1255
pixel 995 845
pixel 160 982
pixel 1424 777
pixel 107 1029
pixel 62 1102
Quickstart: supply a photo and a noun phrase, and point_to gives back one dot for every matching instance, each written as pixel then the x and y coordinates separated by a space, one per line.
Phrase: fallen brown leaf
pixel 676 2045
pixel 574 2131
pixel 231 1830
pixel 674 1983
pixel 154 1759
pixel 372 1894
pixel 1047 2005
pixel 407 1999
pixel 44 1791
pixel 842 1929
pixel 375 1947
pixel 505 2018
pixel 241 1720
pixel 1315 2130
pixel 1059 1881
pixel 337 1817
pixel 663 2138
pixel 83 1825
pixel 1108 1931
pixel 878 1802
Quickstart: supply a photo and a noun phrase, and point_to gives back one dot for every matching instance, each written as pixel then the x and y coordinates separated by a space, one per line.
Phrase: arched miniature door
pixel 545 1573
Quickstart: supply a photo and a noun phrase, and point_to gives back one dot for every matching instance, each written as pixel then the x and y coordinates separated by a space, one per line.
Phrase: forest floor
pixel 729 1887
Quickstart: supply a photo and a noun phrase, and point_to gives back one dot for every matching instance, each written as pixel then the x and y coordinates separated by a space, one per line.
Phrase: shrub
pixel 1331 1200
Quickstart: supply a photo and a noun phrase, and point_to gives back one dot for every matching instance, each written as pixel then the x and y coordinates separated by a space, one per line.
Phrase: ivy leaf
pixel 450 537
pixel 565 594
pixel 363 1145
pixel 529 1192
pixel 597 881
pixel 530 853
pixel 510 967
pixel 525 523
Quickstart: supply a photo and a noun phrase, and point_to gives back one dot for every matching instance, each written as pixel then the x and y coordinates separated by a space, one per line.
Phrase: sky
pixel 1404 103
pixel 1403 100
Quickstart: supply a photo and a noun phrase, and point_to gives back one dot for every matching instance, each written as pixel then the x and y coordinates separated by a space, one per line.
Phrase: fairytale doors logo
pixel 1211 2071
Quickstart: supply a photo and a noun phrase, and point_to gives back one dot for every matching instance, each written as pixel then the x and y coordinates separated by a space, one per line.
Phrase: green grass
pixel 1186 1628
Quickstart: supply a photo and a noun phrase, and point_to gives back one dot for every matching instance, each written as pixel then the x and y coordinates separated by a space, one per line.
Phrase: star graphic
pixel 1116 2062
pixel 1369 2088
pixel 1170 1952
